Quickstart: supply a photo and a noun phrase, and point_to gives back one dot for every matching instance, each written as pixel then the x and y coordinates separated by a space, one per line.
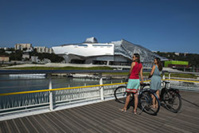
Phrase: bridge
pixel 105 117
pixel 100 115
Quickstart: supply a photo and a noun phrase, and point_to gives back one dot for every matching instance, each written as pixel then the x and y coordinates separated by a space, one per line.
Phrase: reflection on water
pixel 16 84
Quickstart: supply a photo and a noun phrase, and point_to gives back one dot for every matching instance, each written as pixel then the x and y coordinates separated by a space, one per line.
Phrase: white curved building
pixel 114 53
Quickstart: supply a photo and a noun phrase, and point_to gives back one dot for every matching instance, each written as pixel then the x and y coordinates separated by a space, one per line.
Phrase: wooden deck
pixel 105 117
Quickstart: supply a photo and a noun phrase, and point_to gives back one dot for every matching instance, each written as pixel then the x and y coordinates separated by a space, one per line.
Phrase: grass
pixel 179 75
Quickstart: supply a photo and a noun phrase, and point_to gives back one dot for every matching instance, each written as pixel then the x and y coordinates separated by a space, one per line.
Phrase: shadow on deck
pixel 105 117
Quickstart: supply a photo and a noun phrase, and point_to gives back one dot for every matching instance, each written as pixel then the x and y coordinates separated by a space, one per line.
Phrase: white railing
pixel 50 97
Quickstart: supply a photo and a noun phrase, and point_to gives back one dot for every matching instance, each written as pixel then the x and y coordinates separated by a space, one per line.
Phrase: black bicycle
pixel 145 98
pixel 171 98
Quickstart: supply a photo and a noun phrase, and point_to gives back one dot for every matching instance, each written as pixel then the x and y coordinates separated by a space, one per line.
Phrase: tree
pixel 193 59
pixel 17 55
pixel 52 57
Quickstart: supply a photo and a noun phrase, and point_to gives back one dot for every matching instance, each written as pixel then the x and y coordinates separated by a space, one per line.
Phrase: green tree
pixel 17 55
pixel 193 59
pixel 52 57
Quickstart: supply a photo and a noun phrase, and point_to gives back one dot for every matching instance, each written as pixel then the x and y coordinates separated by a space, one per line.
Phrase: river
pixel 10 84
pixel 17 84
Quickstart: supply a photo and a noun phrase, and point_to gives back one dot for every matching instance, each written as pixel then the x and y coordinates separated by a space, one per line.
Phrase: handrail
pixel 191 81
pixel 165 71
pixel 77 87
pixel 50 89
pixel 57 89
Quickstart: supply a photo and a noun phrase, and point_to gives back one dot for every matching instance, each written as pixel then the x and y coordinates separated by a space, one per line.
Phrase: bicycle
pixel 171 98
pixel 145 100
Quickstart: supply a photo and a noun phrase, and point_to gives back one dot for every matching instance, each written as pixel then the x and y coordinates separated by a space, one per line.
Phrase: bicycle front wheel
pixel 172 101
pixel 120 94
pixel 149 102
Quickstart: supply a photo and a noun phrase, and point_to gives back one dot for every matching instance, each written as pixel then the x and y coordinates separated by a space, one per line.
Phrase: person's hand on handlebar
pixel 149 76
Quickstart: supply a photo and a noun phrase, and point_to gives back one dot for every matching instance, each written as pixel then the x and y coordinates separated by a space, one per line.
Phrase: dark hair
pixel 159 63
pixel 138 57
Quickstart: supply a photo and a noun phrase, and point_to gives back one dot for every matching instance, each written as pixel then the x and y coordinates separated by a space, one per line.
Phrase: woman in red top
pixel 134 82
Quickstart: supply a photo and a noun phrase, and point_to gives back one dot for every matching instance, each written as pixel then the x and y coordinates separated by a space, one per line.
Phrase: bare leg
pixel 158 95
pixel 127 100
pixel 153 101
pixel 135 102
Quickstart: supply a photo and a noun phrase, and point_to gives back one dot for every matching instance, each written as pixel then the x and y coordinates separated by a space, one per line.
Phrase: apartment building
pixel 22 46
pixel 40 49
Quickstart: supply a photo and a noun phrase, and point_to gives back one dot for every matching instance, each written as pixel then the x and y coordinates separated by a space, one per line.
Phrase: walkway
pixel 105 117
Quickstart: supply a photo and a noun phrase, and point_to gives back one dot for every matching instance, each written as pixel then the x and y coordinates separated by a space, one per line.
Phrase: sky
pixel 158 25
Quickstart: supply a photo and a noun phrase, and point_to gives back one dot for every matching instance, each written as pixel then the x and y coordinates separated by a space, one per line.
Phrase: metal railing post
pixel 163 77
pixel 50 93
pixel 101 87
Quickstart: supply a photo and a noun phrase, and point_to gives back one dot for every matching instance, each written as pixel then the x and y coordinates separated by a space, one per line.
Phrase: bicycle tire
pixel 120 94
pixel 172 101
pixel 146 102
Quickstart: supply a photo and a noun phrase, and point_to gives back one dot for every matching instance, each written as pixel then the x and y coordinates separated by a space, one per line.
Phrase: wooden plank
pixel 21 125
pixel 106 117
pixel 37 124
pixel 4 127
pixel 52 122
pixel 13 127
pixel 72 127
pixel 45 123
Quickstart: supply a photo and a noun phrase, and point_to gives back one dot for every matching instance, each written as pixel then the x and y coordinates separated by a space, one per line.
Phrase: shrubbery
pixel 17 55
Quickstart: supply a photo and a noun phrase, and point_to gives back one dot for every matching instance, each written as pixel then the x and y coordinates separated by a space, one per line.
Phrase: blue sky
pixel 159 25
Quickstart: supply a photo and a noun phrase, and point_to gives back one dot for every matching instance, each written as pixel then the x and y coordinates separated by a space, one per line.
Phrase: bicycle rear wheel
pixel 172 101
pixel 120 94
pixel 146 102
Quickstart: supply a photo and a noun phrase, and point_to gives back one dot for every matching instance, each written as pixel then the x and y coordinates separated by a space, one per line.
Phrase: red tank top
pixel 136 70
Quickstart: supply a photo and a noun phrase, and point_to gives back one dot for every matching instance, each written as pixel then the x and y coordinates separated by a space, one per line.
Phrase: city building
pixel 40 49
pixel 113 53
pixel 23 46
pixel 35 59
pixel 4 58
pixel 26 56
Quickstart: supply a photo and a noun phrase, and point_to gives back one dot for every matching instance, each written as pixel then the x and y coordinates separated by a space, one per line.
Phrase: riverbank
pixel 68 66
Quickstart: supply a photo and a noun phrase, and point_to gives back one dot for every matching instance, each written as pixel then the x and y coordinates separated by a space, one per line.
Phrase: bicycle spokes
pixel 172 101
pixel 149 103
pixel 120 94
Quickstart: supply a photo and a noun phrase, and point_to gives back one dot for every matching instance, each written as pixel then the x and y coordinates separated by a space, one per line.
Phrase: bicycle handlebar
pixel 166 82
pixel 144 84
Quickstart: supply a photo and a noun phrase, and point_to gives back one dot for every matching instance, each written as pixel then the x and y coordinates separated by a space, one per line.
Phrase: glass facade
pixel 127 49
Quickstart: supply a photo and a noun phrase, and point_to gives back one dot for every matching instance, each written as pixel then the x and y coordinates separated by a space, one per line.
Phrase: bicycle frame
pixel 167 89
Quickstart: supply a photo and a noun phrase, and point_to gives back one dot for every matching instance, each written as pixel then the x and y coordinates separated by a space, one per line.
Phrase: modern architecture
pixel 113 53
